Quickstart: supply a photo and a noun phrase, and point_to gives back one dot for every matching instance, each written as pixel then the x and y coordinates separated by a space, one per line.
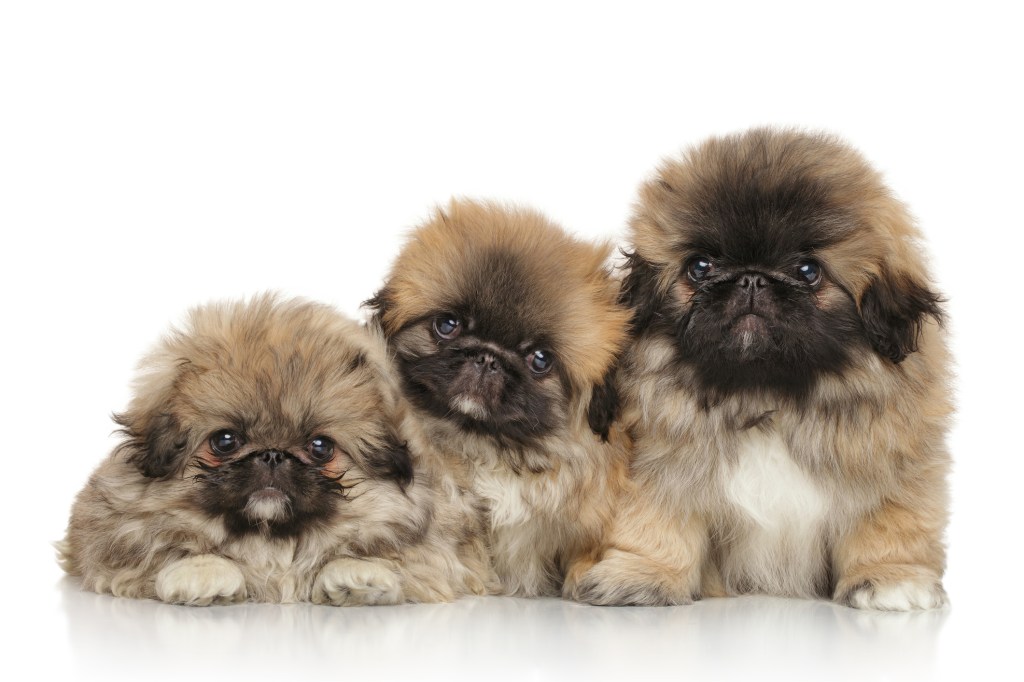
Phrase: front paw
pixel 626 579
pixel 200 581
pixel 357 582
pixel 910 594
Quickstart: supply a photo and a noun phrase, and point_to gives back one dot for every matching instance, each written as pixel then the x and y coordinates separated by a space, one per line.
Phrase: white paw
pixel 905 595
pixel 356 582
pixel 200 581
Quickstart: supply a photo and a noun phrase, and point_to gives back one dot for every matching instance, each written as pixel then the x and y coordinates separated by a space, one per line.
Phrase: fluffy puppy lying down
pixel 787 388
pixel 261 461
pixel 503 326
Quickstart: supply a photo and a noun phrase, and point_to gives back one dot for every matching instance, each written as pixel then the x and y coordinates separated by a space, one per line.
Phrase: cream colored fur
pixel 543 505
pixel 540 523
pixel 147 537
pixel 840 493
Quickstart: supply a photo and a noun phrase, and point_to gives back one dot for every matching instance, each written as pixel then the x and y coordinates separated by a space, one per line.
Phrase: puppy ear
pixel 893 309
pixel 155 439
pixel 390 460
pixel 379 304
pixel 639 291
pixel 604 405
pixel 156 443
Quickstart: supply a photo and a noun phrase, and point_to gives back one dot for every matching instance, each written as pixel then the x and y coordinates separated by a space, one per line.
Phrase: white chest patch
pixel 775 542
pixel 768 486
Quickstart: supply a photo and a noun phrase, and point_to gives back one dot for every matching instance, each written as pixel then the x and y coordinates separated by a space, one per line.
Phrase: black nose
pixel 271 457
pixel 752 280
pixel 486 362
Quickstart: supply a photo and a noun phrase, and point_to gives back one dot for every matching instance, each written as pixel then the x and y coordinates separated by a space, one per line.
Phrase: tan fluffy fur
pixel 865 451
pixel 546 505
pixel 288 366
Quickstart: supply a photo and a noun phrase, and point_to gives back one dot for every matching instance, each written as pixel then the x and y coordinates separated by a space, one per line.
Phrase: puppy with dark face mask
pixel 787 388
pixel 504 328
pixel 263 460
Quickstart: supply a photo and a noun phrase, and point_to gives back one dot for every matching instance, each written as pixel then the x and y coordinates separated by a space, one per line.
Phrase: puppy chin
pixel 470 406
pixel 268 505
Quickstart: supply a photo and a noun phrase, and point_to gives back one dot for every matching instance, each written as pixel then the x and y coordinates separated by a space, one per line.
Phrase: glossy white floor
pixel 99 637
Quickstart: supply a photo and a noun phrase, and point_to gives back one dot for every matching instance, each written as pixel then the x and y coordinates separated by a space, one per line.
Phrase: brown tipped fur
pixel 579 296
pixel 546 493
pixel 284 371
pixel 861 434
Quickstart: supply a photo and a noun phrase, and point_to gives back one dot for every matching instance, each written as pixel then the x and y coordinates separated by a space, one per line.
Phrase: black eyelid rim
pixel 460 324
pixel 818 264
pixel 551 361
pixel 695 257
pixel 447 314
pixel 239 441
pixel 309 443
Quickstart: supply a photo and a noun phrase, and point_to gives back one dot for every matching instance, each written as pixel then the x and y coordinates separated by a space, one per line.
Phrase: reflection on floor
pixel 501 638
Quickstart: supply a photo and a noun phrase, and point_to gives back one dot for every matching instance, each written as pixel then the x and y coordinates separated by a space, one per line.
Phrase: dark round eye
pixel 321 448
pixel 225 442
pixel 447 326
pixel 698 268
pixel 540 361
pixel 810 272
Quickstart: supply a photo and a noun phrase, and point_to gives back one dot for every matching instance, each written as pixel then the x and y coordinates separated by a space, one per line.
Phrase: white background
pixel 158 155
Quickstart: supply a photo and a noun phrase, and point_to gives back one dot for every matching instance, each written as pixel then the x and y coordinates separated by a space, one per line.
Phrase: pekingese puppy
pixel 261 460
pixel 787 388
pixel 504 329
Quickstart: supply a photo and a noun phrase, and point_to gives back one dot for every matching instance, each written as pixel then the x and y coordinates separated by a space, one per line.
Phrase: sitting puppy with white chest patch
pixel 787 389
pixel 262 460
pixel 504 328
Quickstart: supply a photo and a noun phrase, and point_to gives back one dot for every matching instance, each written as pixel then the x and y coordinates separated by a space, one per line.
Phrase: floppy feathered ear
pixel 155 439
pixel 379 304
pixel 604 406
pixel 156 443
pixel 639 291
pixel 893 309
pixel 389 460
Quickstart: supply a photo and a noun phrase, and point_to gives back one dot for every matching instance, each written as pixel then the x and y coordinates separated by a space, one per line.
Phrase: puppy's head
pixel 774 257
pixel 264 414
pixel 502 322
